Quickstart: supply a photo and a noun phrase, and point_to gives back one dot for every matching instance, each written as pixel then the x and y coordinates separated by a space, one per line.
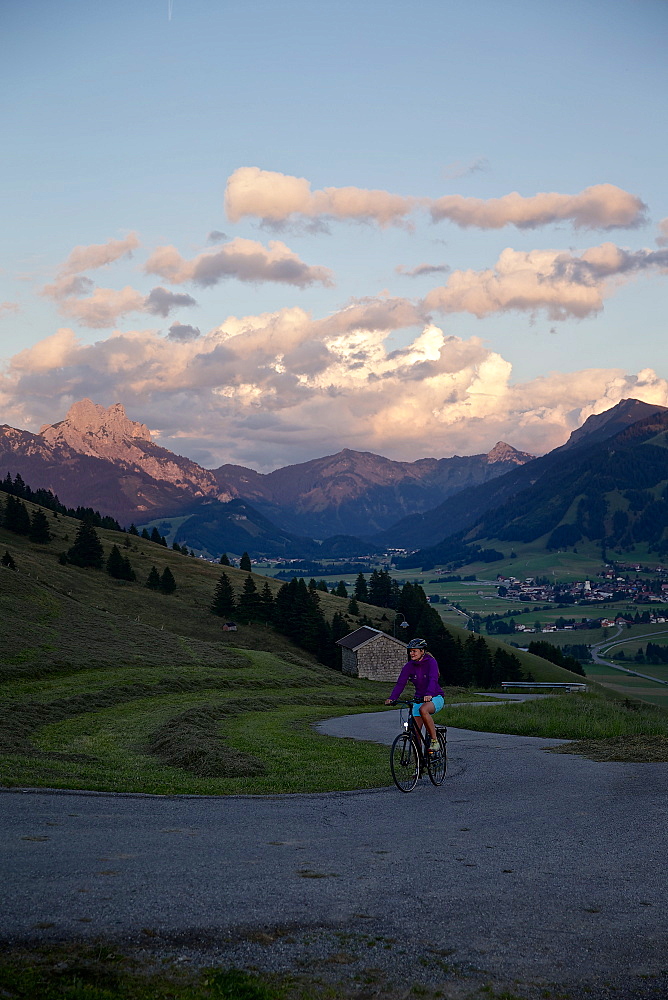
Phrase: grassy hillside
pixel 109 685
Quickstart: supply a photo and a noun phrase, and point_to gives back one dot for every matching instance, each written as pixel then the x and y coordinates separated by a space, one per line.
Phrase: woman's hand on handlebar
pixel 388 701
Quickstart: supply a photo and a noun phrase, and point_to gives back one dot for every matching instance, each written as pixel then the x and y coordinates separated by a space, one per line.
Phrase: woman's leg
pixel 427 710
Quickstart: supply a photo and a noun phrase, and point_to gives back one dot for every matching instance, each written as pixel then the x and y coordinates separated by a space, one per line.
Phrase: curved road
pixel 534 866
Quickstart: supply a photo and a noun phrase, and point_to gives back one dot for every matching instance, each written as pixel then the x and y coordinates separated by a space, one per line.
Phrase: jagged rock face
pixel 502 452
pixel 90 429
pixel 93 430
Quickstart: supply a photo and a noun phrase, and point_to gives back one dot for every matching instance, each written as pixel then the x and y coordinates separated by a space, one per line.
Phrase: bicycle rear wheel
pixel 437 763
pixel 405 763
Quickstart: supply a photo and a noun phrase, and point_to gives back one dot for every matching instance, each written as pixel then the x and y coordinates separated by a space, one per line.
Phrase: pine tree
pixel 7 560
pixel 322 586
pixel 155 536
pixel 153 579
pixel 353 608
pixel 17 518
pixel 115 563
pixel 223 603
pixel 39 528
pixel 87 550
pixel 361 589
pixel 132 530
pixel 245 563
pixel 167 581
pixel 267 603
pixel 145 535
pixel 341 590
pixel 128 572
pixel 250 604
pixel 224 560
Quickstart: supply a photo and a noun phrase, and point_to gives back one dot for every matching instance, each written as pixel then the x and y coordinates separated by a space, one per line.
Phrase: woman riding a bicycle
pixel 422 670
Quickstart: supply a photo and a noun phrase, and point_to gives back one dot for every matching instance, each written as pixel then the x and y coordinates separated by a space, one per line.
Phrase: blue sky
pixel 311 310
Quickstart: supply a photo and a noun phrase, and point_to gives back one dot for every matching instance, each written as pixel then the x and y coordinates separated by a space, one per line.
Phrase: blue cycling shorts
pixel 438 702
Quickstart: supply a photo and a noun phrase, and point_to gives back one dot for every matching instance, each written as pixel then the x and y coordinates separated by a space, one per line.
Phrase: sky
pixel 273 231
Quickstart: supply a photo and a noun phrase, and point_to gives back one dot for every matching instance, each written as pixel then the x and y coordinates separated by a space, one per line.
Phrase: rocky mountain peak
pixel 502 452
pixel 89 428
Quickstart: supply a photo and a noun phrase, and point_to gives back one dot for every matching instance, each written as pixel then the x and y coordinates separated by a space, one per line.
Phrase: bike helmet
pixel 417 644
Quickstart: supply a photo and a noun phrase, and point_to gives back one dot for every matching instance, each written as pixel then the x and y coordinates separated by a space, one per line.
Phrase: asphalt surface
pixel 532 866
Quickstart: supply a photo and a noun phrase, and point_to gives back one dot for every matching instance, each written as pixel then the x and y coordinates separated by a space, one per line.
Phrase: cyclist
pixel 422 670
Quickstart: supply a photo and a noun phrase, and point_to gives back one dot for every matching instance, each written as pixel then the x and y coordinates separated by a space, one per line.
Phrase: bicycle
pixel 409 753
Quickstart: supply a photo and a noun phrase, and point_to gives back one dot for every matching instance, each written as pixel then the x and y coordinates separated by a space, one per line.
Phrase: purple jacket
pixel 424 675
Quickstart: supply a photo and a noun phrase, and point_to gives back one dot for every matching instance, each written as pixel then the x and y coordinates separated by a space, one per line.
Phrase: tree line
pixel 295 612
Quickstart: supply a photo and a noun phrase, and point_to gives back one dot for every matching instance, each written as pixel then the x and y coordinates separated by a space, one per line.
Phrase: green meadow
pixel 107 685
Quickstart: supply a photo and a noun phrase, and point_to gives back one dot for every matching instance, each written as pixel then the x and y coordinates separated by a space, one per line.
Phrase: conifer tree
pixel 224 559
pixel 87 550
pixel 132 530
pixel 341 589
pixel 267 603
pixel 245 563
pixel 17 518
pixel 322 586
pixel 128 572
pixel 153 579
pixel 250 605
pixel 361 589
pixel 39 527
pixel 145 535
pixel 167 581
pixel 353 608
pixel 223 603
pixel 155 536
pixel 115 563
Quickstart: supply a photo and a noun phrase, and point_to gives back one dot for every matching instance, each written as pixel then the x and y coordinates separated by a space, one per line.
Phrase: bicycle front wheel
pixel 437 762
pixel 405 763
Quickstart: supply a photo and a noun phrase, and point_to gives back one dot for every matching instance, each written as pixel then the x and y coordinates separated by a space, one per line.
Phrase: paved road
pixel 542 866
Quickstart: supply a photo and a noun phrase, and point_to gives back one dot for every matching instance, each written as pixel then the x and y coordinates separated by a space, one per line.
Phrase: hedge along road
pixel 532 866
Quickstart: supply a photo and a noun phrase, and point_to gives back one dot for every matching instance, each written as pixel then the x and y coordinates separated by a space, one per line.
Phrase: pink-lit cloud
pixel 559 282
pixel 276 198
pixel 8 308
pixel 282 387
pixel 602 206
pixel 245 260
pixel 88 258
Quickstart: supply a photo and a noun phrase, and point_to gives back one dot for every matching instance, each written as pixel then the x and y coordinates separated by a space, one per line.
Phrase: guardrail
pixel 565 686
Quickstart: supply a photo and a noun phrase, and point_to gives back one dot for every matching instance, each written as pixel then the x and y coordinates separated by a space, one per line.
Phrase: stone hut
pixel 370 653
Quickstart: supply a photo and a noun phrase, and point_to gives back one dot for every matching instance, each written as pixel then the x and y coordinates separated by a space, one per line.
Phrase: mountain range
pixel 100 458
pixel 609 487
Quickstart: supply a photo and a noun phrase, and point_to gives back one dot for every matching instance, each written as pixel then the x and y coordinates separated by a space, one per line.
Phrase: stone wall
pixel 379 660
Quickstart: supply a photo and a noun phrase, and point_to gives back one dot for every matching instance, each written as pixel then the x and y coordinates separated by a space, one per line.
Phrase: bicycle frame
pixel 411 744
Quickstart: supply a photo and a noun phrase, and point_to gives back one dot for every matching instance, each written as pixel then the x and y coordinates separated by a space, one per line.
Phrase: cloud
pixel 662 240
pixel 7 308
pixel 422 269
pixel 161 302
pixel 182 332
pixel 216 236
pixel 106 306
pixel 276 198
pixel 88 258
pixel 279 388
pixel 245 260
pixel 559 282
pixel 602 206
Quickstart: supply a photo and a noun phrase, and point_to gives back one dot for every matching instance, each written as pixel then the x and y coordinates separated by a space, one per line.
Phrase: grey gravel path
pixel 533 866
